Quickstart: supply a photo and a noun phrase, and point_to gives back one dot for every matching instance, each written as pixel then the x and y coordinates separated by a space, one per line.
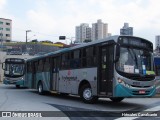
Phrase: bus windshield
pixel 134 61
pixel 16 70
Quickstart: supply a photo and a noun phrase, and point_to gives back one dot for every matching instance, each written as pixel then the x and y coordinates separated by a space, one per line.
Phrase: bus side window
pixel 40 66
pixel 47 65
pixel 65 61
pixel 72 59
pixel 84 60
pixel 76 61
pixel 90 56
pixel 36 66
pixel 29 67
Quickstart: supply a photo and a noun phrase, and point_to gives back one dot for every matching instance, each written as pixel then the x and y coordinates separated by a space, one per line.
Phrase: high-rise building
pixel 157 42
pixel 126 30
pixel 83 32
pixel 99 30
pixel 5 30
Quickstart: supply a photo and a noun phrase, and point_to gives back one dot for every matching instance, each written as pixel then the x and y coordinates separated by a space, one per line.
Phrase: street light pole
pixel 27 38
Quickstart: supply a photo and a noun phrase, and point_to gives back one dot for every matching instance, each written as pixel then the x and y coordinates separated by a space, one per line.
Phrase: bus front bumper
pixel 17 82
pixel 122 91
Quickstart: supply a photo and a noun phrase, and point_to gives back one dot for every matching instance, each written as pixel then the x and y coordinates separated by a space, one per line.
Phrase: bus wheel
pixel 117 99
pixel 40 88
pixel 86 94
pixel 17 86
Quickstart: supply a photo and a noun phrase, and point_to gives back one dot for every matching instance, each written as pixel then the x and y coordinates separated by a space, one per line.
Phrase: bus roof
pixel 74 47
pixel 114 38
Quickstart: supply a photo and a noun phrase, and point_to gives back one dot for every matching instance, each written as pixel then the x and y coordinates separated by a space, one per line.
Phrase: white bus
pixel 115 67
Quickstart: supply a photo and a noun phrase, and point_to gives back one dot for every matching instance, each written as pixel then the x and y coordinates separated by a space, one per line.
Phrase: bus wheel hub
pixel 87 94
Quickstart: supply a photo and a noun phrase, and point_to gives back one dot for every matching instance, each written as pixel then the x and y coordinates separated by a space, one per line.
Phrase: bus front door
pixel 105 81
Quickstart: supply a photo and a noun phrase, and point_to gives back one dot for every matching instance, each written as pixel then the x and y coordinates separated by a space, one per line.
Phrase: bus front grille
pixel 144 78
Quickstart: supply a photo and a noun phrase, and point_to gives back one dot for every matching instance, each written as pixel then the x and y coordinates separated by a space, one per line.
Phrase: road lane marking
pixel 149 111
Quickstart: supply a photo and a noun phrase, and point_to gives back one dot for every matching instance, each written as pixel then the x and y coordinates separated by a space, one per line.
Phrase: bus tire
pixel 117 99
pixel 40 88
pixel 86 94
pixel 17 86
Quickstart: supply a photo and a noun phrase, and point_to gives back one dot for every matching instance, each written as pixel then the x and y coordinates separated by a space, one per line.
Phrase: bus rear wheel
pixel 40 88
pixel 86 94
pixel 117 99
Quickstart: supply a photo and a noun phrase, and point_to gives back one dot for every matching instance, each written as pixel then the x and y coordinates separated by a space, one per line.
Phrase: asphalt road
pixel 71 107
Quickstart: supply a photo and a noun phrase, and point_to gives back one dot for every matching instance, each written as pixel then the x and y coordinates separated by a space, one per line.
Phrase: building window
pixel 7 23
pixel 1 34
pixel 7 29
pixel 7 35
pixel 1 22
pixel 1 28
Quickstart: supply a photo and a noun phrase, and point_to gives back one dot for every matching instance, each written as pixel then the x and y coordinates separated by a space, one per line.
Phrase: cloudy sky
pixel 50 18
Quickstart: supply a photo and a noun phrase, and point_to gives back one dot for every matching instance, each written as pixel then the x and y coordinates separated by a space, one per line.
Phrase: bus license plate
pixel 142 92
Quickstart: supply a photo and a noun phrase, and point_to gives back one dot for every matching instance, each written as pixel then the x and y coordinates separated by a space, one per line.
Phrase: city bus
pixel 116 67
pixel 14 72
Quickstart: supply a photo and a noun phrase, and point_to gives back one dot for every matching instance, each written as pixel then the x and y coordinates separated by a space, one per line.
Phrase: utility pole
pixel 27 38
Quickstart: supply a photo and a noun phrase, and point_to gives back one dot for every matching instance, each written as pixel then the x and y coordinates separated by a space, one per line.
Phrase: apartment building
pixel 83 32
pixel 126 30
pixel 5 30
pixel 99 30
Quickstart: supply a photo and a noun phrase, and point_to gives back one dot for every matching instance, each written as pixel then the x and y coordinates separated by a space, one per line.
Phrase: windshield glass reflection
pixel 14 69
pixel 135 61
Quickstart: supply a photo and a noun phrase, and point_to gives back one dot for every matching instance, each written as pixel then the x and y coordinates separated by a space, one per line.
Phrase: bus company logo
pixel 69 72
pixel 6 114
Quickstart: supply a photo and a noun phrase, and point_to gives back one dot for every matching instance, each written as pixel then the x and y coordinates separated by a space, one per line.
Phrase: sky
pixel 48 19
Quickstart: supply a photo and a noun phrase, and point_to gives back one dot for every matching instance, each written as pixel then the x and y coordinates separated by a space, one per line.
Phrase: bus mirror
pixel 117 53
pixel 3 65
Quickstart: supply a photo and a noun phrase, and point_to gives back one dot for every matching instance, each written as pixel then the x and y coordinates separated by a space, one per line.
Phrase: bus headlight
pixel 123 83
pixel 120 80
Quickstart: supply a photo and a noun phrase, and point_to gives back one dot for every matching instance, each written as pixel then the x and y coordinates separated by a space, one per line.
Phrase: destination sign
pixel 14 60
pixel 137 42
